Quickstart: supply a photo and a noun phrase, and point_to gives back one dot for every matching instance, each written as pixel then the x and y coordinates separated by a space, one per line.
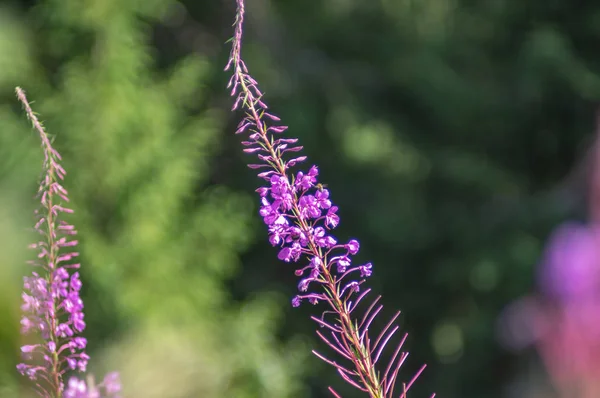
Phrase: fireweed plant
pixel 52 308
pixel 299 215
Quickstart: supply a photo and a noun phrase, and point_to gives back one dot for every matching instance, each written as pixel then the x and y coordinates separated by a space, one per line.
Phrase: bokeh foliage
pixel 446 130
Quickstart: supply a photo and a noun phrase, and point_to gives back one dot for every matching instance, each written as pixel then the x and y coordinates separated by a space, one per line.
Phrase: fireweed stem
pixel 299 215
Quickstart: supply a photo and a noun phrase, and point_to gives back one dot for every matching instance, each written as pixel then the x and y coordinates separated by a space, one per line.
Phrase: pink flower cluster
pixel 52 308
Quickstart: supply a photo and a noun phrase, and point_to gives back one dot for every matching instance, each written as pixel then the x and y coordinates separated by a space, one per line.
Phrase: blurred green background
pixel 452 134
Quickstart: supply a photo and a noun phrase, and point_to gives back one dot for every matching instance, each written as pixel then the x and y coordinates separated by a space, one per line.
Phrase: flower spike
pixel 52 308
pixel 300 216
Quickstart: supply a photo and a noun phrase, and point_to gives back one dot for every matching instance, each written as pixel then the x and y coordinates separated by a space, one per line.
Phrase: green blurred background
pixel 452 134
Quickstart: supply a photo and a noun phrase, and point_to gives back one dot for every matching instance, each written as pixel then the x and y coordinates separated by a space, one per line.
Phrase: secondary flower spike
pixel 52 308
pixel 300 216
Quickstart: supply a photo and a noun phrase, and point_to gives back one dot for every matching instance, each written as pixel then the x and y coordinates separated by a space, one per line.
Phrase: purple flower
pixel 332 220
pixel 343 262
pixel 366 270
pixel 305 182
pixel 309 207
pixel 111 386
pixel 296 301
pixel 322 199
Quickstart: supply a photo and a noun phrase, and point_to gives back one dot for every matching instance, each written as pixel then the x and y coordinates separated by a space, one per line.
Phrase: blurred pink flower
pixel 563 320
pixel 567 326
